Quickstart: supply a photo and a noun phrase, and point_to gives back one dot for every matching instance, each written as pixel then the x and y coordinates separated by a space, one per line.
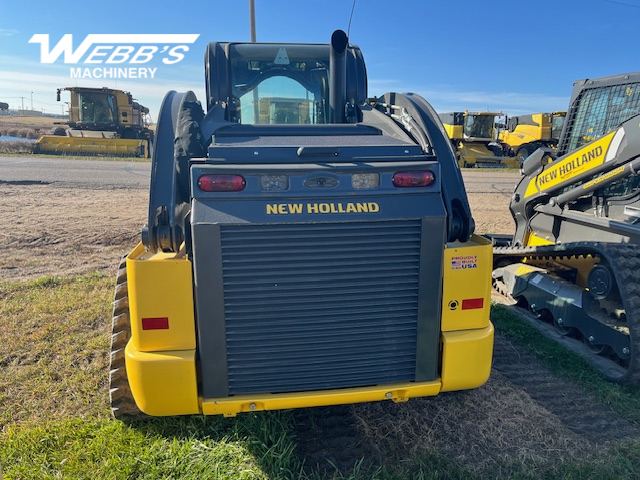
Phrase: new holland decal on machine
pixel 574 259
pixel 304 246
pixel 349 207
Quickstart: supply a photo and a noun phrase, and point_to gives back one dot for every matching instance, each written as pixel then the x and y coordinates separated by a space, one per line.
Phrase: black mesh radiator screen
pixel 319 306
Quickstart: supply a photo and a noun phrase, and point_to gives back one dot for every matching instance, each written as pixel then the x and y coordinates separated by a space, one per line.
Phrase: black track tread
pixel 123 405
pixel 624 260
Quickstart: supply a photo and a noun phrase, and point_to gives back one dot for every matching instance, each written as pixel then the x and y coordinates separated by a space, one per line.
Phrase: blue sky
pixel 518 57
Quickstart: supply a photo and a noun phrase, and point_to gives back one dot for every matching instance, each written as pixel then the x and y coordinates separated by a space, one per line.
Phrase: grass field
pixel 55 418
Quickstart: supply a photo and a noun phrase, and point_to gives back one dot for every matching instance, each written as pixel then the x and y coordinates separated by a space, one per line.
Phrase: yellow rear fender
pixel 466 289
pixel 161 301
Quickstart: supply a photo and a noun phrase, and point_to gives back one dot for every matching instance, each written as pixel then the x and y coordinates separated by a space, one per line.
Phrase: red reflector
pixel 221 183
pixel 471 303
pixel 413 179
pixel 155 323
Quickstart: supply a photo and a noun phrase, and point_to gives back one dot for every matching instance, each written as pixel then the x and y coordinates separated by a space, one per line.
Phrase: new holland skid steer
pixel 305 246
pixel 574 259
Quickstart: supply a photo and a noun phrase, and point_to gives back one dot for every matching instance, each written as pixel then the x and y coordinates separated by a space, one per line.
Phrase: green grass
pixel 55 420
pixel 178 448
pixel 54 411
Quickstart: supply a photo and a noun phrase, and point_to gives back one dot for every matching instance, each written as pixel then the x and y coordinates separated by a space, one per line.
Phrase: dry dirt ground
pixel 49 230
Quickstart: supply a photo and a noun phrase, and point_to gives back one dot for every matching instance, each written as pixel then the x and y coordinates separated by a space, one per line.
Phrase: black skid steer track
pixel 122 403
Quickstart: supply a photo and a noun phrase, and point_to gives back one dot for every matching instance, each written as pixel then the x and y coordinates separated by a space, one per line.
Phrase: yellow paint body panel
pixel 397 392
pixel 528 133
pixel 161 286
pixel 583 160
pixel 454 132
pixel 59 144
pixel 163 383
pixel 467 275
pixel 535 241
pixel 466 358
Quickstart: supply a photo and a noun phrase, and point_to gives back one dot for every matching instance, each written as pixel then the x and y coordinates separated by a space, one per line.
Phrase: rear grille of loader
pixel 319 306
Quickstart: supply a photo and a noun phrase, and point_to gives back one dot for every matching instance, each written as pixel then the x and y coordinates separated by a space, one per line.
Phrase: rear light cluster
pixel 421 178
pixel 279 183
pixel 221 183
pixel 365 181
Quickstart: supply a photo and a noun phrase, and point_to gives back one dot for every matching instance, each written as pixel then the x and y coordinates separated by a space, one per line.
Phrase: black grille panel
pixel 318 306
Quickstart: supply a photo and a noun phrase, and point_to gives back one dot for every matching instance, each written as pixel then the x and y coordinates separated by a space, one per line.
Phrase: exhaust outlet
pixel 338 76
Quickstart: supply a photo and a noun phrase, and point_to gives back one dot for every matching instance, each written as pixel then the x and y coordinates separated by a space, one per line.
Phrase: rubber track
pixel 624 260
pixel 122 404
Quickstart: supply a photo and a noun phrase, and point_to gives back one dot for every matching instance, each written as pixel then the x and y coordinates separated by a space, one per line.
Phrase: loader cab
pixel 271 83
pixel 557 122
pixel 469 126
pixel 596 109
pixel 283 85
pixel 478 126
pixel 99 109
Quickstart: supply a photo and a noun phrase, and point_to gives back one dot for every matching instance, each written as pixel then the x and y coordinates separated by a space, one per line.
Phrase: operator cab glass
pixel 556 126
pixel 601 110
pixel 275 84
pixel 478 126
pixel 97 108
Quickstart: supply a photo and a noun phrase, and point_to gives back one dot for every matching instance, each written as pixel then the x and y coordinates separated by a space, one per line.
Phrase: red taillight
pixel 221 183
pixel 413 179
pixel 155 323
pixel 472 303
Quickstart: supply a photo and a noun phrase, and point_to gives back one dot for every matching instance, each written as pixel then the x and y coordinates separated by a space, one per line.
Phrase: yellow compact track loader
pixel 526 133
pixel 473 138
pixel 574 259
pixel 102 121
pixel 305 246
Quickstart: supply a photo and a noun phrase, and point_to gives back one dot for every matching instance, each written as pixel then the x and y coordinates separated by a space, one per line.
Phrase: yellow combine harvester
pixel 472 135
pixel 102 121
pixel 526 133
